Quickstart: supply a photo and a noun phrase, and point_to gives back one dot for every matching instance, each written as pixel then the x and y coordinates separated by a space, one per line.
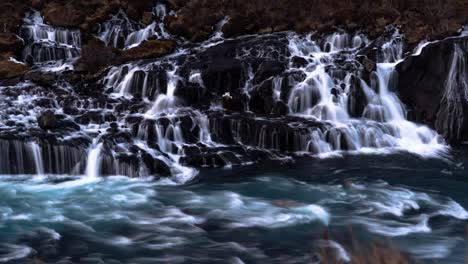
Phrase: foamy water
pixel 140 220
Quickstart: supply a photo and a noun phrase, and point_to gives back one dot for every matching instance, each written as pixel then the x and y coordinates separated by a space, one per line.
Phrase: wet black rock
pixel 261 98
pixel 433 86
pixel 156 166
pixel 47 120
pixel 357 100
pixel 235 73
pixel 298 62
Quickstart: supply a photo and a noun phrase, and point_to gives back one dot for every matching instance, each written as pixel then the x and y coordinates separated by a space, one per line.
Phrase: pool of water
pixel 269 213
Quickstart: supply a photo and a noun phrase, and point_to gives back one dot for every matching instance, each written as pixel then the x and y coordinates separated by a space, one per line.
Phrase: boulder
pixel 156 166
pixel 95 55
pixel 147 18
pixel 357 100
pixel 47 120
pixel 196 19
pixel 45 79
pixel 63 14
pixel 147 50
pixel 238 25
pixel 10 69
pixel 298 62
pixel 83 14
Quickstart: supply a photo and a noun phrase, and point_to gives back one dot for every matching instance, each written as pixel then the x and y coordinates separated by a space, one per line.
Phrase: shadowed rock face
pixel 434 86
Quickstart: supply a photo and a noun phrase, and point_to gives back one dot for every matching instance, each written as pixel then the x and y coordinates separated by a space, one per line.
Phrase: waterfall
pixel 393 109
pixel 124 33
pixel 93 163
pixel 47 44
pixel 324 95
pixel 166 102
pixel 284 95
pixel 38 162
pixel 114 31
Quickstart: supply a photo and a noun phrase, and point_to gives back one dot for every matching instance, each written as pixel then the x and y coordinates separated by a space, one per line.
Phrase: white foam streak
pixel 14 252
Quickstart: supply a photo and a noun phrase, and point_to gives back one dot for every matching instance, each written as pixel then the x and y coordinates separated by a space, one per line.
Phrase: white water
pixel 36 150
pixel 93 164
pixel 166 219
pixel 122 32
pixel 383 122
pixel 165 103
pixel 47 44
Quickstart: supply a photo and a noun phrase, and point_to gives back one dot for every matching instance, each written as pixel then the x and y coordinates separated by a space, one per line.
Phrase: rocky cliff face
pixel 434 85
pixel 158 88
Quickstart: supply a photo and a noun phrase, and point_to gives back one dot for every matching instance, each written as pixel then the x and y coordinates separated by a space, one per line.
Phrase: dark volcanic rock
pixel 156 166
pixel 357 100
pixel 47 120
pixel 239 72
pixel 261 100
pixel 10 42
pixel 434 87
pixel 151 106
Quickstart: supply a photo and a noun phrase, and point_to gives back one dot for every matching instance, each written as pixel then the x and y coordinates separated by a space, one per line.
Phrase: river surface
pixel 270 213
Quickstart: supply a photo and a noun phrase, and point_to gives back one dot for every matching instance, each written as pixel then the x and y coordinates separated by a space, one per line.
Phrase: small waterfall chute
pixel 38 161
pixel 93 162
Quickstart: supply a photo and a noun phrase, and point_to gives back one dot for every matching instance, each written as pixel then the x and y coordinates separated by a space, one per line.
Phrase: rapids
pixel 241 215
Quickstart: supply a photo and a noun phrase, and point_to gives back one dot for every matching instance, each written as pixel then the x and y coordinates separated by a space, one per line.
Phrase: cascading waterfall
pixel 20 157
pixel 114 31
pixel 166 102
pixel 122 32
pixel 93 163
pixel 155 29
pixel 324 95
pixel 159 117
pixel 47 44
